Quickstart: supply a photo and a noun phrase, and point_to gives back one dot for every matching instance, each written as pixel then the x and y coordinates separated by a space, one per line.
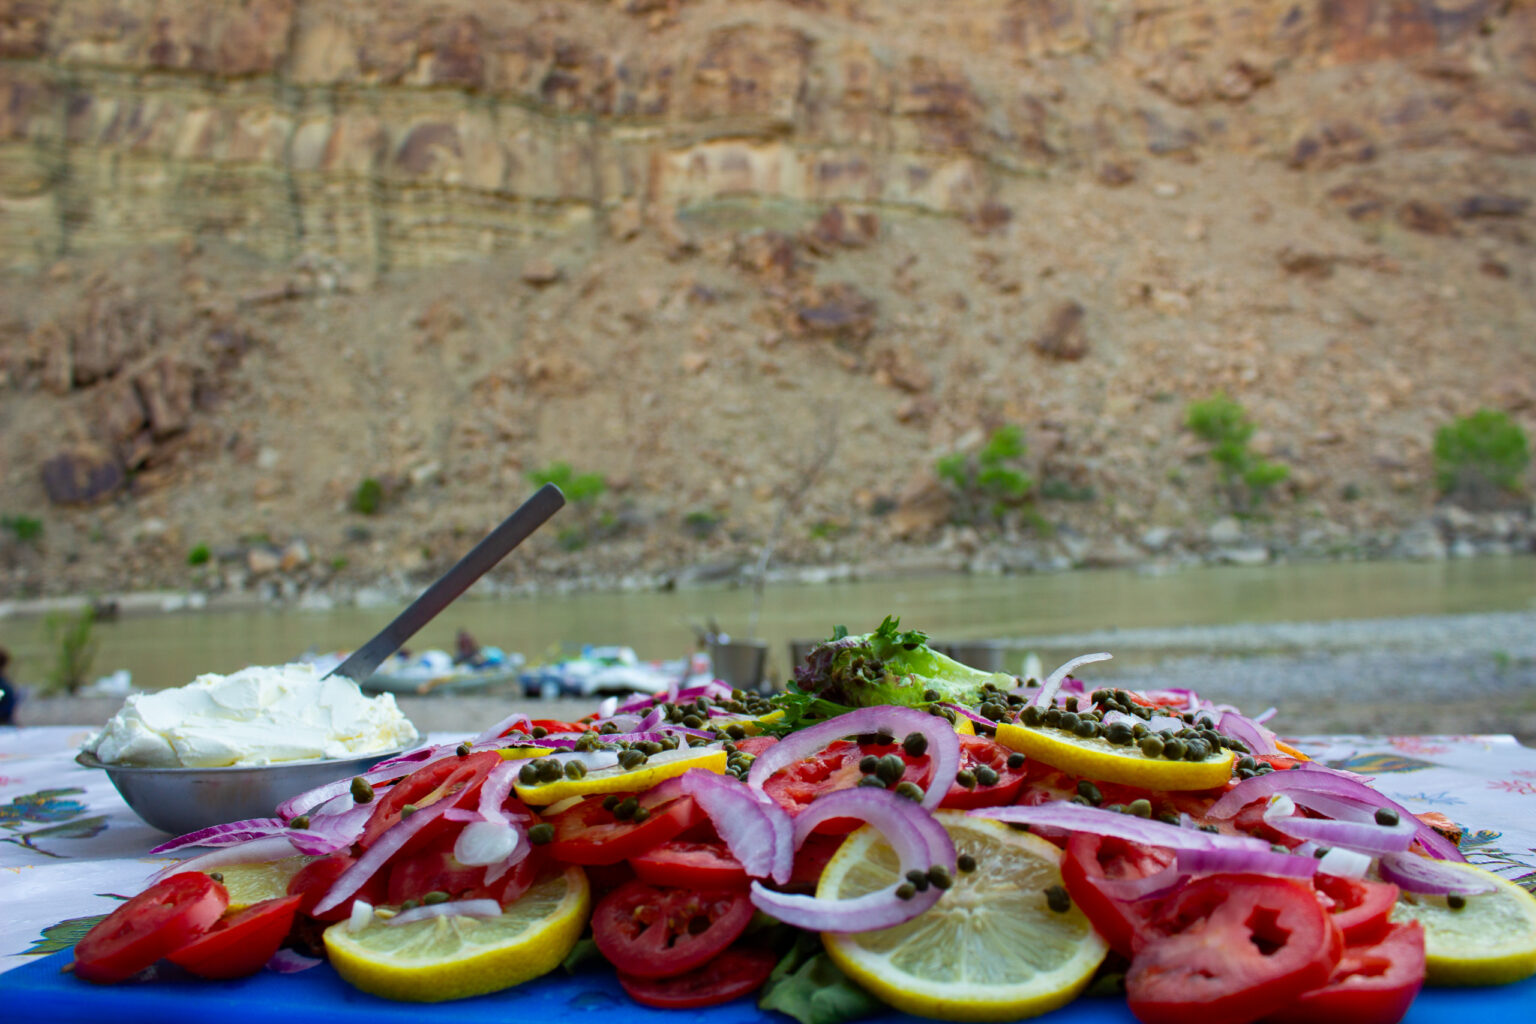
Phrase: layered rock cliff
pixel 678 242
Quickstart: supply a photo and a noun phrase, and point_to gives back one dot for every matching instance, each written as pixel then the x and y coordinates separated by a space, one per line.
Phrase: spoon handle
pixel 515 529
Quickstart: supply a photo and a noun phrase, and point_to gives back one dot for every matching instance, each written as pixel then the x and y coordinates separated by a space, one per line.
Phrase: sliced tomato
pixel 652 932
pixel 1359 907
pixel 1373 984
pixel 315 879
pixel 836 767
pixel 755 745
pixel 151 925
pixel 688 863
pixel 984 752
pixel 453 778
pixel 587 834
pixel 1090 868
pixel 433 868
pixel 732 974
pixel 517 880
pixel 811 860
pixel 1227 948
pixel 240 943
pixel 548 725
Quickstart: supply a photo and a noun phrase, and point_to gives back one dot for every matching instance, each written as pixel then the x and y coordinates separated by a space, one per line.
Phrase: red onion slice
pixel 289 961
pixel 758 833
pixel 919 841
pixel 396 836
pixel 962 710
pixel 1249 733
pixel 452 908
pixel 1422 875
pixel 225 835
pixel 257 851
pixel 1155 884
pixel 1367 837
pixel 943 744
pixel 1263 862
pixel 496 731
pixel 1081 818
pixel 1047 691
pixel 1310 777
pixel 486 842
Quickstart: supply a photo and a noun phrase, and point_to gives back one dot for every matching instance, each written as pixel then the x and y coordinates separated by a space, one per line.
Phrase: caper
pixel 872 782
pixel 1152 746
pixel 1195 750
pixel 939 878
pixel 1386 816
pixel 541 833
pixel 408 809
pixel 1173 749
pixel 1089 792
pixel 1071 703
pixel 302 821
pixel 1016 760
pixel 1118 733
pixel 1032 715
pixel 965 777
pixel 868 763
pixel 575 770
pixel 910 790
pixel 966 863
pixel 1052 716
pixel 361 791
pixel 217 876
pixel 905 891
pixel 462 749
pixel 410 904
pixel 435 896
pixel 915 744
pixel 538 732
pixel 1057 899
pixel 1087 728
pixel 891 768
pixel 1141 807
pixel 1455 901
pixel 986 775
pixel 611 801
pixel 641 813
pixel 1067 722
pixel 931 695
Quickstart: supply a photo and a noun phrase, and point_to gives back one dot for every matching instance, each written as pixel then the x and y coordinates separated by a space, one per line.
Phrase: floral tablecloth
pixel 70 849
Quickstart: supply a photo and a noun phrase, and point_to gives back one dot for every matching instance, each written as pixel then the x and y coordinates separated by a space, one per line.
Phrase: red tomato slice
pixel 650 932
pixel 1359 907
pixel 1226 948
pixel 315 879
pixel 976 752
pixel 701 864
pixel 548 725
pixel 755 745
pixel 1373 984
pixel 734 973
pixel 811 860
pixel 156 922
pixel 835 767
pixel 1089 863
pixel 587 834
pixel 240 943
pixel 455 778
pixel 431 869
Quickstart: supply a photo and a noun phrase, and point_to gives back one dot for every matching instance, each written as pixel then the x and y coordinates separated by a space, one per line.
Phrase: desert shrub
pixel 991 481
pixel 1480 455
pixel 1225 425
pixel 368 498
pixel 199 555
pixel 74 648
pixel 701 523
pixel 579 488
pixel 24 528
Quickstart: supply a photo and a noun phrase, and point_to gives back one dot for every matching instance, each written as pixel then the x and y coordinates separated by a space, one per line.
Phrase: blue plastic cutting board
pixel 41 992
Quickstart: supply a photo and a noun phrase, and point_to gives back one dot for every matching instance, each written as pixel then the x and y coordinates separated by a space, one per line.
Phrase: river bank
pixel 1413 675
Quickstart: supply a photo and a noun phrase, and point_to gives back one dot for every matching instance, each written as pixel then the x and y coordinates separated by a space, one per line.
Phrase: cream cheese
pixel 259 715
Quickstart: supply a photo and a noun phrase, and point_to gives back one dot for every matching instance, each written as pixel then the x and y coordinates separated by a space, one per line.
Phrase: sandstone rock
pixel 1492 206
pixel 626 220
pixel 113 332
pixel 1426 217
pixel 165 388
pixel 1156 538
pixel 554 373
pixel 1254 554
pixel 923 506
pixel 768 254
pixel 1112 553
pixel 838 311
pixel 989 217
pixel 1226 531
pixel 263 561
pixel 1115 174
pixel 1063 335
pixel 86 475
pixel 838 228
pixel 918 410
pixel 118 413
pixel 1306 263
pixel 900 367
pixel 540 272
pixel 295 555
pixel 695 362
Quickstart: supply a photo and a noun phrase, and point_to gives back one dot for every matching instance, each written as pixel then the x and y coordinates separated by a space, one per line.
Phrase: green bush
pixel 579 488
pixel 26 529
pixel 1479 455
pixel 368 497
pixel 74 648
pixel 1225 425
pixel 701 523
pixel 993 480
pixel 199 555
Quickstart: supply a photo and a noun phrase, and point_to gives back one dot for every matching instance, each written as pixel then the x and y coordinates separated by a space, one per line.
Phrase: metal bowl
pixel 181 800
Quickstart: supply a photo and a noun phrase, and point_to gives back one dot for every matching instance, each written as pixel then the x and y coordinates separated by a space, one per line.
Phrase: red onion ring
pixel 1264 862
pixel 1367 837
pixel 758 833
pixel 943 745
pixel 1072 817
pixel 496 731
pixel 289 961
pixel 1413 873
pixel 1312 777
pixel 256 851
pixel 1155 884
pixel 377 855
pixel 227 834
pixel 1047 692
pixel 1245 730
pixel 485 842
pixel 920 843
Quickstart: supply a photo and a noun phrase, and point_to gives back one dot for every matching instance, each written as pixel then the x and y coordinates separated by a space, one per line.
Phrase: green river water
pixel 170 649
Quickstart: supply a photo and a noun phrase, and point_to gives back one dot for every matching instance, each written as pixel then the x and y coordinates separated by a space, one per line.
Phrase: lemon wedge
pixel 455 957
pixel 663 765
pixel 266 880
pixel 991 949
pixel 1489 940
pixel 1096 758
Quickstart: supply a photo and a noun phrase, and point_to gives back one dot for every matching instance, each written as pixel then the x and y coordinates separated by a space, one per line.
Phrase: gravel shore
pixel 1401 676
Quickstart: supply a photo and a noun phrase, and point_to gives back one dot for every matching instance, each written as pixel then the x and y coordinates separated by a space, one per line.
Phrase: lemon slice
pixel 1096 758
pixel 454 957
pixel 1490 940
pixel 252 883
pixel 991 949
pixel 659 766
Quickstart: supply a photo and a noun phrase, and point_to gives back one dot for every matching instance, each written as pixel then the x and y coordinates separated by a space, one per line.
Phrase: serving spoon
pixel 515 529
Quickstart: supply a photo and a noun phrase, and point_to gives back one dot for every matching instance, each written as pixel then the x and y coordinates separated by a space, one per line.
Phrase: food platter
pixel 42 992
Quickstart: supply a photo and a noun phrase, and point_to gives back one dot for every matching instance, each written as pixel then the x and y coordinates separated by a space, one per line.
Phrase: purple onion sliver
pixel 1081 818
pixel 495 731
pixel 257 851
pixel 1264 862
pixel 224 835
pixel 1418 874
pixel 289 961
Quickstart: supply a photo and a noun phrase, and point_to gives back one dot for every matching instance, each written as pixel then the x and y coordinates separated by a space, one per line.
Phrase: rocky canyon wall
pixel 384 133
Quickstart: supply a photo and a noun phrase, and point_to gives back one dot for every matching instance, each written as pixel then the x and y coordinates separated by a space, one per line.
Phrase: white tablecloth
pixel 70 849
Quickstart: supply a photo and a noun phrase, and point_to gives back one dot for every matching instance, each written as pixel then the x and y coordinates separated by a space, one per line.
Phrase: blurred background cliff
pixel 301 294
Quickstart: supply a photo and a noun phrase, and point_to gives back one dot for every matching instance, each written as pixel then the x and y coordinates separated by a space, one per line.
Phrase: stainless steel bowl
pixel 181 800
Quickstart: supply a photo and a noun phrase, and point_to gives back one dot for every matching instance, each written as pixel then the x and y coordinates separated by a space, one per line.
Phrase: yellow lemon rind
pixel 619 780
pixel 1450 962
pixel 1127 766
